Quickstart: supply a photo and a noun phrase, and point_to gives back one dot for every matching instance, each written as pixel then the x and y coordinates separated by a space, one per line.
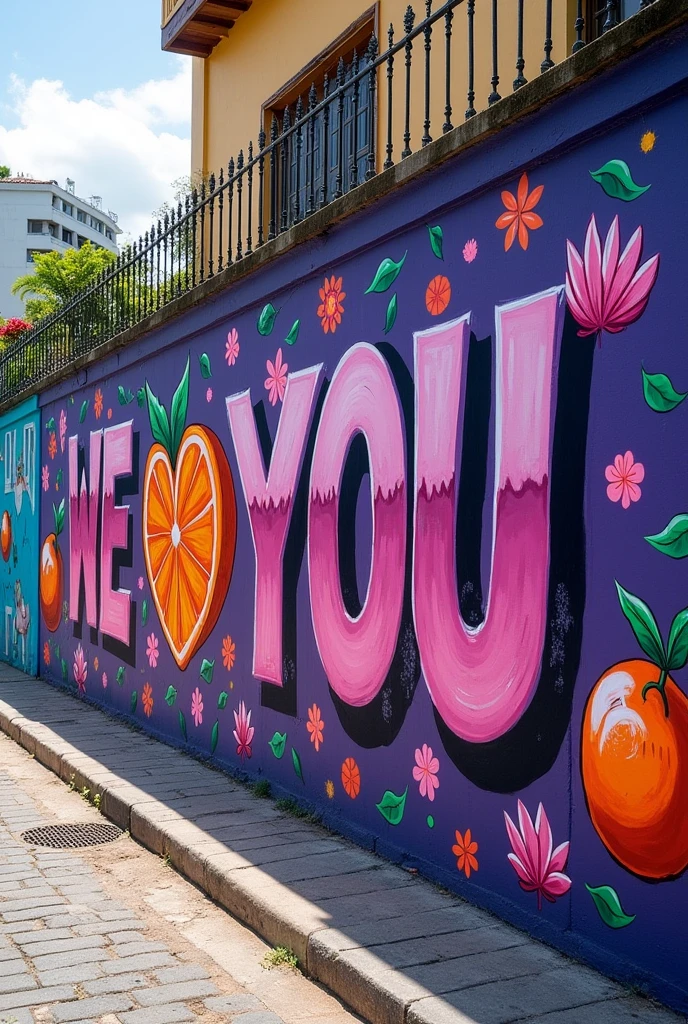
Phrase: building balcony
pixel 195 26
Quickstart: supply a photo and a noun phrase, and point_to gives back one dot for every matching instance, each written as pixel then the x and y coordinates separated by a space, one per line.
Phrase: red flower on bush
pixel 13 328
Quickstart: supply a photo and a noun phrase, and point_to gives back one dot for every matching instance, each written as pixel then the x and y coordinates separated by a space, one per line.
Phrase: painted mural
pixel 407 539
pixel 19 508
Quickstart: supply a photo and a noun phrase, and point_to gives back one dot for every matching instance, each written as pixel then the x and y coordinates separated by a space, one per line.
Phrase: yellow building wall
pixel 275 39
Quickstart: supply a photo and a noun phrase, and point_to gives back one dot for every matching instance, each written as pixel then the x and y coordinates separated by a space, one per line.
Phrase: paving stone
pixel 105 927
pixel 615 1011
pixel 96 1007
pixel 79 956
pixel 39 935
pixel 143 963
pixel 71 975
pixel 17 983
pixel 17 1016
pixel 37 997
pixel 187 972
pixel 42 946
pixel 233 1004
pixel 182 991
pixel 12 967
pixel 159 1015
pixel 127 949
pixel 115 983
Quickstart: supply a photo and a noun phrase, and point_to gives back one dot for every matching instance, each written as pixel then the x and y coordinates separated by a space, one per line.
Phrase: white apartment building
pixel 40 216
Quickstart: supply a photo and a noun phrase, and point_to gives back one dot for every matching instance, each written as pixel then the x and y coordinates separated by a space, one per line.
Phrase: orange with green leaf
pixel 189 524
pixel 634 750
pixel 51 572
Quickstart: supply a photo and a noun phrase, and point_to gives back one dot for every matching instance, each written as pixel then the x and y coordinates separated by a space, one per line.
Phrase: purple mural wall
pixel 406 535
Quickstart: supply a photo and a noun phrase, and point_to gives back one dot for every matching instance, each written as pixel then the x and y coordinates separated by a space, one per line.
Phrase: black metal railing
pixel 323 148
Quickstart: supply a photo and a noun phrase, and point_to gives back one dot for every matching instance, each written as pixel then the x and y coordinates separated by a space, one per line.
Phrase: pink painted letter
pixel 357 653
pixel 114 604
pixel 83 527
pixel 481 680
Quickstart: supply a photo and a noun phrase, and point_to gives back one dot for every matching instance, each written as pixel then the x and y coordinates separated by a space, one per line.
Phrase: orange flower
pixel 331 306
pixel 109 414
pixel 46 653
pixel 315 726
pixel 464 851
pixel 98 403
pixel 228 649
pixel 95 663
pixel 351 778
pixel 52 445
pixel 147 699
pixel 438 295
pixel 519 216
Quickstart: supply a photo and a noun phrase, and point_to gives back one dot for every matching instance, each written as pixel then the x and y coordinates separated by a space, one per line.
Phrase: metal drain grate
pixel 69 837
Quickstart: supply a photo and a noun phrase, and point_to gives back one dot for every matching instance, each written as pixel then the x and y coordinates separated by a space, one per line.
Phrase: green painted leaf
pixel 182 723
pixel 50 425
pixel 296 761
pixel 170 696
pixel 643 624
pixel 222 700
pixel 430 820
pixel 180 403
pixel 673 540
pixel 616 180
pixel 266 320
pixel 204 360
pixel 386 275
pixel 84 410
pixel 391 317
pixel 677 646
pixel 609 906
pixel 214 736
pixel 63 666
pixel 293 333
pixel 278 743
pixel 436 240
pixel 141 397
pixel 124 397
pixel 133 701
pixel 120 675
pixel 159 423
pixel 660 393
pixel 59 517
pixel 59 477
pixel 144 611
pixel 391 807
pixel 207 669
pixel 71 399
pixel 57 651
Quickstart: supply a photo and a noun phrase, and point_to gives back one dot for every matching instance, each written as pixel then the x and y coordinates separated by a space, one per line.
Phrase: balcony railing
pixel 316 152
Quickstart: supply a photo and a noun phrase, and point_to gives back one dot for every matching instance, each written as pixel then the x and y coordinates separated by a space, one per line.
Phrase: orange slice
pixel 189 537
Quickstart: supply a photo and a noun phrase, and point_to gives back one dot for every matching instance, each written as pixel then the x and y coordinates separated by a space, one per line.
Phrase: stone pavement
pixel 391 945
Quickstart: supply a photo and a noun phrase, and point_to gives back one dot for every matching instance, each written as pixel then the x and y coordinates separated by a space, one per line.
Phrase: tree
pixel 4 171
pixel 59 277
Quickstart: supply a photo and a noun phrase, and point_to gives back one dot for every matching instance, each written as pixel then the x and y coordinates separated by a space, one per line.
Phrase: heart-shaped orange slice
pixel 189 537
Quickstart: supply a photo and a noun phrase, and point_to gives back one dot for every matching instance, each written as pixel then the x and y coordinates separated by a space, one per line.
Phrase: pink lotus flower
pixel 470 250
pixel 209 395
pixel 63 429
pixel 606 292
pixel 45 478
pixel 232 347
pixel 425 772
pixel 140 583
pixel 80 669
pixel 105 680
pixel 539 868
pixel 152 651
pixel 624 477
pixel 197 707
pixel 276 380
pixel 244 731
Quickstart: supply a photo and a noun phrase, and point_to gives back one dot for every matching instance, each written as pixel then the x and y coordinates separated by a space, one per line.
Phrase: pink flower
pixel 197 707
pixel 425 772
pixel 470 250
pixel 45 478
pixel 277 378
pixel 539 868
pixel 152 651
pixel 105 680
pixel 244 731
pixel 139 582
pixel 624 477
pixel 209 395
pixel 232 347
pixel 606 292
pixel 80 668
pixel 63 429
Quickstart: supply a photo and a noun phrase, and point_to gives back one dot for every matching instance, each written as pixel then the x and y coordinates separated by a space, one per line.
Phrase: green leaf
pixel 609 906
pixel 673 540
pixel 214 736
pixel 207 669
pixel 293 333
pixel 84 410
pixel 59 477
pixel 222 700
pixel 159 423
pixel 204 360
pixel 144 611
pixel 57 650
pixel 59 517
pixel 616 180
pixel 124 397
pixel 180 403
pixel 141 397
pixel 436 239
pixel 643 624
pixel 182 723
pixel 133 701
pixel 266 320
pixel 50 425
pixel 391 314
pixel 677 647
pixel 63 666
pixel 391 807
pixel 386 275
pixel 170 696
pixel 120 675
pixel 278 743
pixel 296 761
pixel 660 393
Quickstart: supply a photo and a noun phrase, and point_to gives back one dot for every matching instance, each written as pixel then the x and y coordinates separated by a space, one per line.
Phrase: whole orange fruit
pixel 50 582
pixel 6 535
pixel 634 763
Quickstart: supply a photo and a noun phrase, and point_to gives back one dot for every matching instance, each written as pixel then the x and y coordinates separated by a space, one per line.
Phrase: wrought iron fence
pixel 326 146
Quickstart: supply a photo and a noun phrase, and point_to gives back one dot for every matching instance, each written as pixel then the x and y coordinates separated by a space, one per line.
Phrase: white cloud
pixel 127 146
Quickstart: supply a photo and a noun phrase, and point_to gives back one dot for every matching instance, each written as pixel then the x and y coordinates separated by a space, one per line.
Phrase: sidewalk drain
pixel 69 837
